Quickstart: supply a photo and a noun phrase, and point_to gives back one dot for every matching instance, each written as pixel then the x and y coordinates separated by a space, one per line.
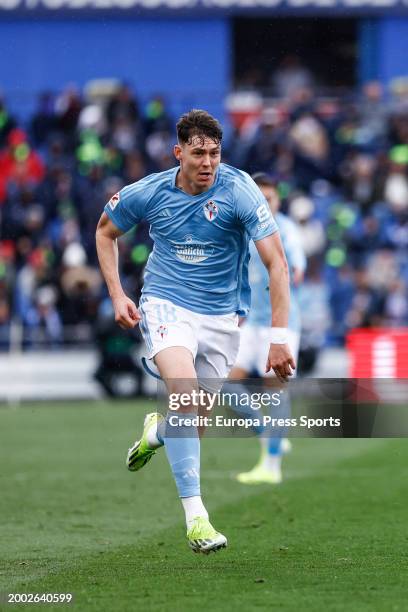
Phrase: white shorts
pixel 254 348
pixel 213 340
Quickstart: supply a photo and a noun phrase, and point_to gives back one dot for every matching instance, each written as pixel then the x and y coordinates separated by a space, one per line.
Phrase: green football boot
pixel 260 475
pixel 141 452
pixel 203 538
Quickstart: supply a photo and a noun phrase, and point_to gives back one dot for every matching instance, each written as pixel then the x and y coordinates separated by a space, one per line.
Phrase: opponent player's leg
pixel 268 466
pixel 272 441
pixel 285 445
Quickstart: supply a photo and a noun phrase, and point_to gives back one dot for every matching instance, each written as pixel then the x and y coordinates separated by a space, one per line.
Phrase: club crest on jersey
pixel 210 210
pixel 114 201
pixel 162 331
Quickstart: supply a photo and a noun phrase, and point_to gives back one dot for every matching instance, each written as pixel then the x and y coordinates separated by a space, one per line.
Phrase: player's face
pixel 271 196
pixel 199 161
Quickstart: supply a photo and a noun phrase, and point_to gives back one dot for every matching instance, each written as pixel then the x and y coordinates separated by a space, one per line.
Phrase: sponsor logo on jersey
pixel 162 331
pixel 210 210
pixel 114 201
pixel 263 213
pixel 191 250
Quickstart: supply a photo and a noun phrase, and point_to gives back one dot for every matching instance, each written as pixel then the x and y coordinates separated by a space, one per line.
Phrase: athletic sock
pixel 155 435
pixel 271 457
pixel 193 507
pixel 182 446
pixel 271 463
pixel 274 447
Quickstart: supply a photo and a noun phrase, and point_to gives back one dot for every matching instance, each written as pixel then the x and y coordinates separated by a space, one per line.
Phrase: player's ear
pixel 177 152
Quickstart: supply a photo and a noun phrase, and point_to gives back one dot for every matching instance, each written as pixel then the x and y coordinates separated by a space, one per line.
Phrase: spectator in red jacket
pixel 19 164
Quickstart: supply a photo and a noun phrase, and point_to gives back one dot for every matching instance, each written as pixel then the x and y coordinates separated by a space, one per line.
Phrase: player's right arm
pixel 126 313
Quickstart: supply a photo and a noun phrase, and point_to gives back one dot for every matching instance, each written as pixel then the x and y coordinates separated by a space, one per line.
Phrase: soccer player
pixel 202 214
pixel 256 330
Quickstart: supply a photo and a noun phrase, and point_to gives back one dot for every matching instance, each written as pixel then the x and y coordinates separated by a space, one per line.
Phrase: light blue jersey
pixel 200 255
pixel 260 312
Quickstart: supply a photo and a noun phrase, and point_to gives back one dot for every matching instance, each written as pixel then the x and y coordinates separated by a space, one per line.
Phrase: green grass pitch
pixel 332 537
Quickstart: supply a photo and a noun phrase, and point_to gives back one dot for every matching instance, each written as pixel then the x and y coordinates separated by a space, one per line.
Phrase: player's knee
pixel 183 395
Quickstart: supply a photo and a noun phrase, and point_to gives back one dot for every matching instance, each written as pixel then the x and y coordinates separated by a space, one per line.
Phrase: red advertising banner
pixel 378 353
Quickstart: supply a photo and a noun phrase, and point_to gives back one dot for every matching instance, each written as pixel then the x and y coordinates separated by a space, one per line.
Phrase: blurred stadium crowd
pixel 340 164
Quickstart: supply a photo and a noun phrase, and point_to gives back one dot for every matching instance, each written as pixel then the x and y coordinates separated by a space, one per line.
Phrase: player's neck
pixel 188 186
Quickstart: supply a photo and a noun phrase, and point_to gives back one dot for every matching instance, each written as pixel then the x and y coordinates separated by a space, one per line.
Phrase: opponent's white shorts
pixel 213 340
pixel 254 348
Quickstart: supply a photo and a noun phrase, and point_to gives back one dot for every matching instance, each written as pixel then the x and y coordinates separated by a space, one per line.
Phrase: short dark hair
pixel 198 123
pixel 262 179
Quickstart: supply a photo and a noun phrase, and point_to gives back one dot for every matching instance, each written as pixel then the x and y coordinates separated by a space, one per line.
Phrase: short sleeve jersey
pixel 200 255
pixel 260 313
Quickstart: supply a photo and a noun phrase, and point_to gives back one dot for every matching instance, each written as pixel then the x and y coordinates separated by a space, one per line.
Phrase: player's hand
pixel 280 360
pixel 126 313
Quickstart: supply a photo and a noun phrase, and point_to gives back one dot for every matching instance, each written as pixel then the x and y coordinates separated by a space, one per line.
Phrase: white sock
pixel 272 463
pixel 154 435
pixel 193 507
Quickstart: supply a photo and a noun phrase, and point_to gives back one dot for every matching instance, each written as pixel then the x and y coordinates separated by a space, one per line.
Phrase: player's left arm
pixel 272 254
